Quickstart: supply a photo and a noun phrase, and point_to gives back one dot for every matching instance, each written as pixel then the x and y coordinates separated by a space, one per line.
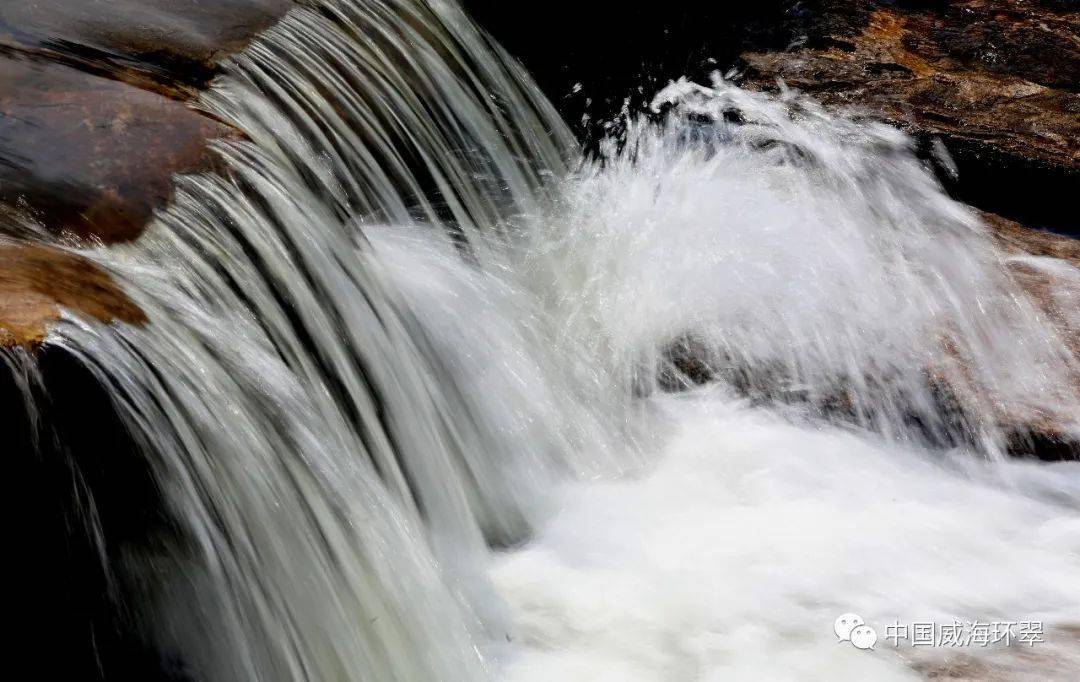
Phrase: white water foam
pixel 817 243
pixel 732 559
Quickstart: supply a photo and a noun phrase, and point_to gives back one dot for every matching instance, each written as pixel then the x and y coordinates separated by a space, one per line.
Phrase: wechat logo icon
pixel 851 627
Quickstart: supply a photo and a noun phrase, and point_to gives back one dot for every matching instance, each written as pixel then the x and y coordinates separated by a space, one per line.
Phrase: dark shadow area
pixel 83 504
pixel 1027 191
pixel 589 57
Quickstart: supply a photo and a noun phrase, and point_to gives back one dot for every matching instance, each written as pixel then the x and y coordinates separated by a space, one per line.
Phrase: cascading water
pixel 406 326
pixel 287 360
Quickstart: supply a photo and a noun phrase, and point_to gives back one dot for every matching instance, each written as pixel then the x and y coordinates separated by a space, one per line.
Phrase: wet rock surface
pixel 996 80
pixel 36 281
pixel 170 46
pixel 91 156
pixel 996 83
pixel 94 124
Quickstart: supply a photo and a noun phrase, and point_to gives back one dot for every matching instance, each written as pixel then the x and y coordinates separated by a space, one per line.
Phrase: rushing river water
pixel 423 386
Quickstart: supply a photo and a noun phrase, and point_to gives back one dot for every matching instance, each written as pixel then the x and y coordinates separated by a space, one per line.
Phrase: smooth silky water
pixel 407 384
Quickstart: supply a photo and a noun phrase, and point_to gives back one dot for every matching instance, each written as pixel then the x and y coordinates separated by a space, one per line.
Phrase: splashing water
pixel 402 330
pixel 803 254
pixel 806 256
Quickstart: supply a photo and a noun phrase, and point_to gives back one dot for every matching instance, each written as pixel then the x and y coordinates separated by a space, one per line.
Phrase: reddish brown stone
pixel 36 281
pixel 172 46
pixel 996 81
pixel 896 67
pixel 89 155
pixel 93 128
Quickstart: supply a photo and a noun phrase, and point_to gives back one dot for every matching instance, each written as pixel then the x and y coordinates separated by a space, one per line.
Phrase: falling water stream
pixel 415 383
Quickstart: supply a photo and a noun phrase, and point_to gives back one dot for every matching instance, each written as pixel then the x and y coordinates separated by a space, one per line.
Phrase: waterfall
pixel 408 320
pixel 375 440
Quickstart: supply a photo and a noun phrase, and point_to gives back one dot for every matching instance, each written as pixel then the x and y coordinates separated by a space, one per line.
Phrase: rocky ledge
pixel 996 82
pixel 94 123
pixel 36 281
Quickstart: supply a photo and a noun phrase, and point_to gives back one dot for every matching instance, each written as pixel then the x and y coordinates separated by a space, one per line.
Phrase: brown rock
pixel 88 142
pixel 997 81
pixel 93 129
pixel 1053 285
pixel 1015 238
pixel 1032 40
pixel 994 80
pixel 37 281
pixel 89 155
pixel 171 46
pixel 914 70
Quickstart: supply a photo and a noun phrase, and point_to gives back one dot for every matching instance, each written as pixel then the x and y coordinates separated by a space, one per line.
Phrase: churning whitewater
pixel 432 395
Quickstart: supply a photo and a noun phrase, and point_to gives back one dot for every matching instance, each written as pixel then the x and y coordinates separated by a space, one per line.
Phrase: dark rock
pixel 172 46
pixel 89 155
pixel 996 80
pixel 1039 43
pixel 685 365
pixel 93 129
